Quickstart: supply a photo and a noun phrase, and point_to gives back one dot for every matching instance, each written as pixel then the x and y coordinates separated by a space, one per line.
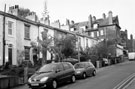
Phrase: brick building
pixel 105 29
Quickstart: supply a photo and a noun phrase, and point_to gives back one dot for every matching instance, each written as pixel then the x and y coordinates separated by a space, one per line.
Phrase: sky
pixel 79 10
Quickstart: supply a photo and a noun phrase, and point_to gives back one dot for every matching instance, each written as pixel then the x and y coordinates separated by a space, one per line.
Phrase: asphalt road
pixel 106 78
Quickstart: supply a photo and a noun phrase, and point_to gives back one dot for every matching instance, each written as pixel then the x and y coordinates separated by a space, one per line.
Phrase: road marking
pixel 122 84
pixel 129 83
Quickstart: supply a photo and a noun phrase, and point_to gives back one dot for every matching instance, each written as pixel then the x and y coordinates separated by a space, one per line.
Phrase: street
pixel 106 78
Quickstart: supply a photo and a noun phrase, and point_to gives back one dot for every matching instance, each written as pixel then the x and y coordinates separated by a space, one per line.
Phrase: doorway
pixel 10 54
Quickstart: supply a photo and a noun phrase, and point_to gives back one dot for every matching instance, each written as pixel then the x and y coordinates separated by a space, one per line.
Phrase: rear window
pixel 79 65
pixel 91 65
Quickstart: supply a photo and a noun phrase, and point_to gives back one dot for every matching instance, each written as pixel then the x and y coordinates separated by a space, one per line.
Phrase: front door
pixel 10 55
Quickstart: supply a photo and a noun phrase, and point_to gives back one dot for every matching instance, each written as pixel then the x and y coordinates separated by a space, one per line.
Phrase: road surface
pixel 106 78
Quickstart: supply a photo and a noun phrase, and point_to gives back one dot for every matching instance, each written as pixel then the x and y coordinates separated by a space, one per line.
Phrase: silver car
pixel 84 69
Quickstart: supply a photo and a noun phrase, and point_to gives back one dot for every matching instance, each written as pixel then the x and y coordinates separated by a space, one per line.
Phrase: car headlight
pixel 44 79
pixel 78 72
pixel 29 80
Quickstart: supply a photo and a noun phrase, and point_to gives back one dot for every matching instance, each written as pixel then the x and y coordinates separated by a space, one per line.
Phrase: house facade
pixel 131 44
pixel 104 29
pixel 20 32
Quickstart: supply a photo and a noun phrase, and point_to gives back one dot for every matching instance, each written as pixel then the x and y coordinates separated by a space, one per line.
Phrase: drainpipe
pixel 4 42
pixel 38 43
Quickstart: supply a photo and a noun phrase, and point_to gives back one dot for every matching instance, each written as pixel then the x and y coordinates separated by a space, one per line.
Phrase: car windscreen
pixel 79 65
pixel 47 68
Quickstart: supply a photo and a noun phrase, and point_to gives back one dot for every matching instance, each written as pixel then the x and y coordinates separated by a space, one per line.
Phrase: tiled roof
pixel 85 23
pixel 98 21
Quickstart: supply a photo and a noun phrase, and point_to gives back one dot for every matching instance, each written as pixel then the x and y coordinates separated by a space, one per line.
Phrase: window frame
pixel 27 32
pixel 10 28
pixel 92 34
pixel 101 32
pixel 27 55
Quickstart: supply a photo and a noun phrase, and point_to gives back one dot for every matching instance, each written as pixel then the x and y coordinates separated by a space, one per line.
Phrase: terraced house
pixel 17 33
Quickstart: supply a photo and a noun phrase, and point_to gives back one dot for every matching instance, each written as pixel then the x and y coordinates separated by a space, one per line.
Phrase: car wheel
pixel 54 84
pixel 94 73
pixel 73 79
pixel 84 75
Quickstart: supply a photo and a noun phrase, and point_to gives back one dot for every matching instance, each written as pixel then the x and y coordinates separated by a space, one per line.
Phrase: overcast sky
pixel 79 10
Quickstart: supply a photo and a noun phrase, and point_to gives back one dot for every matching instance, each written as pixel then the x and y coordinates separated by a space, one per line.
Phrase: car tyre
pixel 73 79
pixel 84 75
pixel 54 84
pixel 94 73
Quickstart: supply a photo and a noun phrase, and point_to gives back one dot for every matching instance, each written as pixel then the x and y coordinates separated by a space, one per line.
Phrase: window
pixel 97 33
pixel 27 52
pixel 91 65
pixel 79 65
pixel 27 32
pixel 101 32
pixel 60 67
pixel 92 34
pixel 10 27
pixel 95 26
pixel 66 66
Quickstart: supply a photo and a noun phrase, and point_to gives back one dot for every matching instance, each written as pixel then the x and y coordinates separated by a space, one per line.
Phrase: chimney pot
pixel 94 18
pixel 72 22
pixel 16 6
pixel 110 13
pixel 104 16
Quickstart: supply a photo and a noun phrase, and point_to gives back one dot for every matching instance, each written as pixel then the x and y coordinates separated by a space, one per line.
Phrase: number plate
pixel 34 84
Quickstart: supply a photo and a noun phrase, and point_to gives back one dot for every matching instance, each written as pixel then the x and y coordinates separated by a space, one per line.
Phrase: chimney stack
pixel 14 10
pixel 110 16
pixel 67 22
pixel 104 16
pixel 90 21
pixel 32 16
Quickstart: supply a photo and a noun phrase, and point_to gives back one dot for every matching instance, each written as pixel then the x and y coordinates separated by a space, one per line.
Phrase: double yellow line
pixel 125 82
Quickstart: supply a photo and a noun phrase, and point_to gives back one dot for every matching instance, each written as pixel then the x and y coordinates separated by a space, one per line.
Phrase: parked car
pixel 105 61
pixel 50 75
pixel 71 60
pixel 84 69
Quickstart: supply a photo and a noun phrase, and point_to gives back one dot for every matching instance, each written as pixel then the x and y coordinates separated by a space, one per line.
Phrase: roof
pixel 101 22
pixel 40 24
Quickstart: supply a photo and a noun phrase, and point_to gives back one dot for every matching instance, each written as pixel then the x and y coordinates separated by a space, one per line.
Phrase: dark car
pixel 84 69
pixel 50 75
pixel 71 60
